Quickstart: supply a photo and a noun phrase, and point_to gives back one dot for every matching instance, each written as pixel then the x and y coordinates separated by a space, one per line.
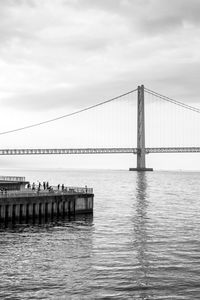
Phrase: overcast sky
pixel 60 55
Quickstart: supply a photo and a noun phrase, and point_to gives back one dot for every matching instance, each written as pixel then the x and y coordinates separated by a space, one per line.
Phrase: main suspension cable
pixel 67 115
pixel 195 109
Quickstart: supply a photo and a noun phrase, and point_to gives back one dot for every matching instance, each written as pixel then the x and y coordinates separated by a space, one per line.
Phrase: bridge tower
pixel 141 163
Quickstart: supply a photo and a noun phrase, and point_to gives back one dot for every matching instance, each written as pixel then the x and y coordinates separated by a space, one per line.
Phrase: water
pixel 143 241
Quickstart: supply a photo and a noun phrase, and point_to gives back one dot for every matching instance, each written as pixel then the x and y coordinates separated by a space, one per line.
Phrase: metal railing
pixel 12 178
pixel 47 192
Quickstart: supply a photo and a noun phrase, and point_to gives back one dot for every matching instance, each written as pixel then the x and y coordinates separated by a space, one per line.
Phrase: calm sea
pixel 143 241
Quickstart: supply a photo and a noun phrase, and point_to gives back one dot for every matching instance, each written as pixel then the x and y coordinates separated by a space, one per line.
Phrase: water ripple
pixel 142 243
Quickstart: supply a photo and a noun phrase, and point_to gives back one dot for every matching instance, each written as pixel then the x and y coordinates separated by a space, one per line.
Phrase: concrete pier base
pixel 30 208
pixel 141 169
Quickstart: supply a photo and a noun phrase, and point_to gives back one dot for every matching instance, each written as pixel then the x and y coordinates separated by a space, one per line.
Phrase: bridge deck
pixel 97 150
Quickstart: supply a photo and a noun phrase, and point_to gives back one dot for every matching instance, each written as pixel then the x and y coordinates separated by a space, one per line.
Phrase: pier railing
pixel 47 192
pixel 12 178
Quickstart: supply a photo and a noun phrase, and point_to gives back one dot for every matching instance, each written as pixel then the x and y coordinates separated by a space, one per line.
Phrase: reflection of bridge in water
pixel 141 235
pixel 140 150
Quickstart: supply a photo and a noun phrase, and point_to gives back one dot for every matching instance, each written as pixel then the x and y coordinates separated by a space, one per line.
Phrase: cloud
pixel 70 99
pixel 151 16
pixel 75 52
pixel 165 17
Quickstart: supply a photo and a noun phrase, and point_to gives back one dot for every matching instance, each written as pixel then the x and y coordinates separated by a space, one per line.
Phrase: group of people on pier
pixel 44 186
pixel 59 188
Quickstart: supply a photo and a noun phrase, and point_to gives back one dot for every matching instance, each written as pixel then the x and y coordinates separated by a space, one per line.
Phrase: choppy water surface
pixel 143 241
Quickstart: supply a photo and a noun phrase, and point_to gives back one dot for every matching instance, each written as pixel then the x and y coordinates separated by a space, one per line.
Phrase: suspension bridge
pixel 142 128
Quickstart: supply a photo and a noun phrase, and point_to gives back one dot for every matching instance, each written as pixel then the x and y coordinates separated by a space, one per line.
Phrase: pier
pixel 27 205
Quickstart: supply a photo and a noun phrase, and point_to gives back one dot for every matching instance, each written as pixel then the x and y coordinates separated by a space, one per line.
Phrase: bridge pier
pixel 141 169
pixel 141 162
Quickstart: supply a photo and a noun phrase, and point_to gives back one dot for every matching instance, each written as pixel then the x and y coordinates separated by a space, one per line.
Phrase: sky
pixel 57 56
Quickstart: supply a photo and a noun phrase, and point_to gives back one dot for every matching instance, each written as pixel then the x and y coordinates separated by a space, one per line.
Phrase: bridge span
pixel 97 151
pixel 141 149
